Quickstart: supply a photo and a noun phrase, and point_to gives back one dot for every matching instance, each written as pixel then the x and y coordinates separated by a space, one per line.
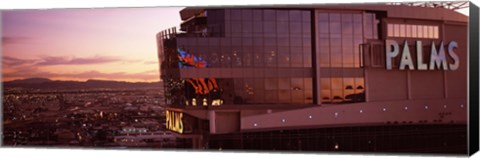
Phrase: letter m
pixel 437 59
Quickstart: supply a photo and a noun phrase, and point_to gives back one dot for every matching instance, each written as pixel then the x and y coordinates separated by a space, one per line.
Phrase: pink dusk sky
pixel 81 44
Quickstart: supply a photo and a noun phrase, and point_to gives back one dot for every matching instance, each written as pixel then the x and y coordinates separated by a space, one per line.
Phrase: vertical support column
pixel 409 85
pixel 444 72
pixel 315 59
pixel 212 120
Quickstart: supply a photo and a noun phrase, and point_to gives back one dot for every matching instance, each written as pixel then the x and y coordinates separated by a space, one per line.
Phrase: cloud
pixel 52 60
pixel 15 68
pixel 150 62
pixel 11 61
pixel 13 40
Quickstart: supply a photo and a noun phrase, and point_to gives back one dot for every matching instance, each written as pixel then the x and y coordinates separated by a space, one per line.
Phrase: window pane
pixel 337 95
pixel 368 21
pixel 247 15
pixel 425 32
pixel 325 83
pixel 347 28
pixel 298 96
pixel 247 26
pixel 337 83
pixel 282 27
pixel 270 41
pixel 334 17
pixel 259 84
pixel 269 27
pixel 282 15
pixel 326 96
pixel 296 60
pixel 284 96
pixel 435 32
pixel 257 15
pixel 295 15
pixel 306 16
pixel 258 59
pixel 347 18
pixel 414 31
pixel 297 84
pixel 408 30
pixel 284 83
pixel 236 14
pixel 307 60
pixel 295 28
pixel 308 97
pixel 271 96
pixel 402 30
pixel 323 17
pixel 419 31
pixel 323 27
pixel 271 84
pixel 308 83
pixel 430 31
pixel 283 60
pixel 348 83
pixel 269 15
pixel 324 60
pixel 390 30
pixel 396 29
pixel 335 28
pixel 359 85
pixel 357 27
pixel 306 28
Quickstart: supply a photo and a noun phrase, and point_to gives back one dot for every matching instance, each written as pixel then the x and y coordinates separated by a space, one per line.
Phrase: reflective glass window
pixel 295 15
pixel 323 17
pixel 236 14
pixel 306 16
pixel 269 15
pixel 247 15
pixel 282 15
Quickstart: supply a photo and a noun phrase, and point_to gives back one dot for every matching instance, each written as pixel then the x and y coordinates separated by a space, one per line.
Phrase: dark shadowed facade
pixel 384 78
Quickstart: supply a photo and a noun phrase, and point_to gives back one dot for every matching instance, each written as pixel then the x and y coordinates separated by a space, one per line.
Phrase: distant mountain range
pixel 45 83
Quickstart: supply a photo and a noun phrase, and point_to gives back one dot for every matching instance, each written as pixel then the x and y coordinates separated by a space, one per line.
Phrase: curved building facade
pixel 377 77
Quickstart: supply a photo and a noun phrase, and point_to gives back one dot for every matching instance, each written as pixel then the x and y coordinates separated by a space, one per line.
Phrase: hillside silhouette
pixel 45 83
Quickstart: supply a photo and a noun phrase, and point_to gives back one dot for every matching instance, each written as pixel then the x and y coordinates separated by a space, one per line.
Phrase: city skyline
pixel 81 44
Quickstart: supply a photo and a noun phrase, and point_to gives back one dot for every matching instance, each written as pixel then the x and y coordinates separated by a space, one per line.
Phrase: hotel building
pixel 350 77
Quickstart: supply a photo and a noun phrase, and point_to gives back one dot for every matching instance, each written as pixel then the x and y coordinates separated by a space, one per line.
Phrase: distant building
pixel 318 77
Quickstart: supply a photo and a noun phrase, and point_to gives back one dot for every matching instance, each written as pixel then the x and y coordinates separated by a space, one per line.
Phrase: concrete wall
pixel 431 111
pixel 390 85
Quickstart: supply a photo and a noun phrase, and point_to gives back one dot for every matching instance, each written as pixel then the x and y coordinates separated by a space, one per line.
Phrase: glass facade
pixel 340 36
pixel 252 56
